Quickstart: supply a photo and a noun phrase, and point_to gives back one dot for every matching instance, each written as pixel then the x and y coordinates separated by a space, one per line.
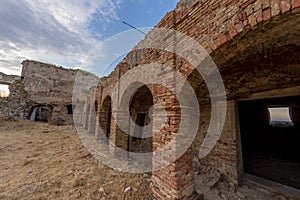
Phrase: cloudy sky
pixel 63 32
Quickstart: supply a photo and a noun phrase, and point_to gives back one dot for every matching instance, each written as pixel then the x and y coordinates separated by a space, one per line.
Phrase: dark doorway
pixel 105 116
pixel 70 109
pixel 140 123
pixel 96 106
pixel 40 114
pixel 270 133
pixel 140 112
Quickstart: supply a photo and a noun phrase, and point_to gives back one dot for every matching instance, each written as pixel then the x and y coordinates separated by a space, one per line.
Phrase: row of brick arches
pixel 257 54
pixel 100 119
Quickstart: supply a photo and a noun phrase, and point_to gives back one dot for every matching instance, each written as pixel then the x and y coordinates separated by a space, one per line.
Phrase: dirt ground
pixel 41 161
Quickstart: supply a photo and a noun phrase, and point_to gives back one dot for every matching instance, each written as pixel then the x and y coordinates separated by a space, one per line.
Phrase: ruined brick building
pixel 255 46
pixel 43 92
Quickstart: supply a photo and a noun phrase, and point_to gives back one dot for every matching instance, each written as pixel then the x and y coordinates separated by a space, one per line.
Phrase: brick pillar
pixel 93 110
pixel 98 96
pixel 113 128
pixel 228 151
pixel 231 131
pixel 121 136
pixel 102 122
pixel 92 120
pixel 175 181
pixel 86 116
pixel 98 127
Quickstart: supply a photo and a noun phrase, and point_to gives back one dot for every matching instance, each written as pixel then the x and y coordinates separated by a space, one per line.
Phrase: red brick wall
pixel 251 42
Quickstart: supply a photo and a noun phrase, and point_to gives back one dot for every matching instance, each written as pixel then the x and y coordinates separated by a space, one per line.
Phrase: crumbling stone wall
pixel 15 105
pixel 7 112
pixel 50 85
pixel 41 84
pixel 8 79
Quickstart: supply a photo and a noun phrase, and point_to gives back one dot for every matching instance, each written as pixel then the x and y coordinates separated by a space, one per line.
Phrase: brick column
pixel 92 120
pixel 232 134
pixel 98 125
pixel 92 116
pixel 98 96
pixel 121 136
pixel 175 181
pixel 102 123
pixel 228 151
pixel 87 115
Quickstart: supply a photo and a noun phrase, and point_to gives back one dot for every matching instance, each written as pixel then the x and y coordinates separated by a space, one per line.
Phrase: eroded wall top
pixel 8 79
pixel 47 83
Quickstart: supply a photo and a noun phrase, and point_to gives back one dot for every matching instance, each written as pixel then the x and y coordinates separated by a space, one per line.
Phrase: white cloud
pixel 55 31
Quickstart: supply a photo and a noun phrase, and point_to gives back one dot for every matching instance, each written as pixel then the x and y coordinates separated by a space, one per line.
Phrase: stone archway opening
pixel 40 113
pixel 140 113
pixel 270 136
pixel 105 117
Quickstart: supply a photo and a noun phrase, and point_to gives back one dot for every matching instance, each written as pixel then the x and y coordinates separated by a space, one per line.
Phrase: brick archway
pixel 134 115
pixel 105 116
pixel 141 113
